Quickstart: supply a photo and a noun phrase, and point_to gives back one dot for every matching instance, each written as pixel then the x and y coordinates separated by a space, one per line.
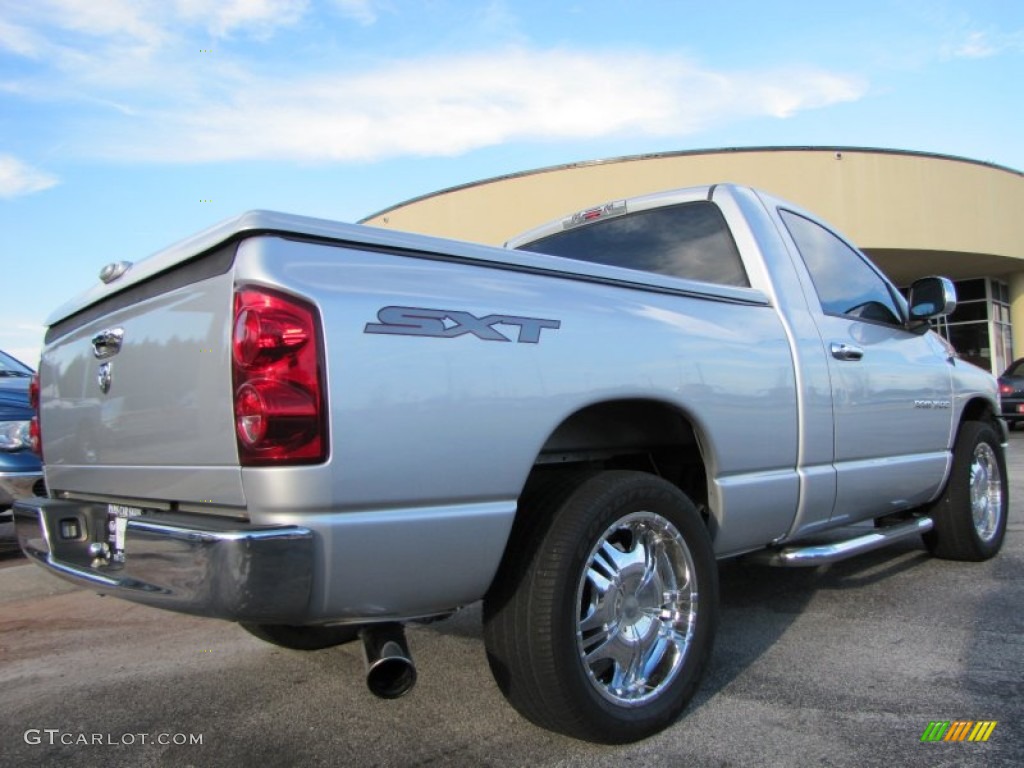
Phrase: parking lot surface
pixel 845 665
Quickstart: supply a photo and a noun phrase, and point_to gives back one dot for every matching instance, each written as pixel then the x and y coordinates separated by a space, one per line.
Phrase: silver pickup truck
pixel 323 431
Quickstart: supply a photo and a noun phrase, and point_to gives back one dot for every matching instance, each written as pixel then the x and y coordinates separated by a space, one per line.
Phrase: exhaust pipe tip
pixel 390 672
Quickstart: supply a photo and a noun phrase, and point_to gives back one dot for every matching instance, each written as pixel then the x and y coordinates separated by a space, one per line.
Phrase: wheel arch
pixel 643 434
pixel 980 409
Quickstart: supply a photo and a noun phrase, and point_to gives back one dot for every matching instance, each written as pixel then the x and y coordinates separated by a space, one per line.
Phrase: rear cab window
pixel 687 240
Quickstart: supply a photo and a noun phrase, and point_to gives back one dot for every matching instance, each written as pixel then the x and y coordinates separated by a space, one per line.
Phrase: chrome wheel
pixel 986 492
pixel 594 626
pixel 970 515
pixel 637 601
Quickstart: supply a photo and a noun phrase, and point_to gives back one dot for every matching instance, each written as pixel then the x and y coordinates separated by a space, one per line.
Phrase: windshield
pixel 1017 369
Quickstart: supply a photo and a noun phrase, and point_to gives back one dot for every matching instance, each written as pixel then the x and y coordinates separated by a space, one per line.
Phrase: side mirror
pixel 932 297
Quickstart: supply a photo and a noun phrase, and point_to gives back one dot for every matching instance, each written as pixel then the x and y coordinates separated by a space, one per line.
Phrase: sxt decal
pixel 449 323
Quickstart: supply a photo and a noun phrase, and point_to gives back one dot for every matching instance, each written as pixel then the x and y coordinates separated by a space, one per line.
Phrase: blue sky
pixel 126 125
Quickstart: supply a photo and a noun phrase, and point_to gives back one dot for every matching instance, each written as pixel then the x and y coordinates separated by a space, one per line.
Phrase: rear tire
pixel 601 620
pixel 970 517
pixel 302 638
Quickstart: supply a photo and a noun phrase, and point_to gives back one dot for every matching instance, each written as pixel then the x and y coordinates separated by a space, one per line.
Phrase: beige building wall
pixel 914 213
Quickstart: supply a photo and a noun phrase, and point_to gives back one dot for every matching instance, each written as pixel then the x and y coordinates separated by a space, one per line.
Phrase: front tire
pixel 602 617
pixel 970 517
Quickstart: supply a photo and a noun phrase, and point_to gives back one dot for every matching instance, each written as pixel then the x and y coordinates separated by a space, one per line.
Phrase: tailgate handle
pixel 107 343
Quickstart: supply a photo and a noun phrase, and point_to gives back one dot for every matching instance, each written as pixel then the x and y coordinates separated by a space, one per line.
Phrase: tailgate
pixel 136 393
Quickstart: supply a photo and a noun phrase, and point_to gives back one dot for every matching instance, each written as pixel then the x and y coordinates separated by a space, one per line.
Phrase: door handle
pixel 846 351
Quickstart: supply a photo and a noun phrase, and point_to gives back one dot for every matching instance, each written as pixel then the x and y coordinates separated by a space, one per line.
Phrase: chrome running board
pixel 823 554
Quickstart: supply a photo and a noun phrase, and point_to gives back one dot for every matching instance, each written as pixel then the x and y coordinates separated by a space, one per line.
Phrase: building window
pixel 1002 333
pixel 980 328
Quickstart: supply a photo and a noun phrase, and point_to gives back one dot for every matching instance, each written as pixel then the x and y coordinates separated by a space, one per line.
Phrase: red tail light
pixel 1005 389
pixel 280 413
pixel 35 434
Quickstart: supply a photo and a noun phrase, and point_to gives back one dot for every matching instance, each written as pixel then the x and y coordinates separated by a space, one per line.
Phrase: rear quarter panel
pixel 433 422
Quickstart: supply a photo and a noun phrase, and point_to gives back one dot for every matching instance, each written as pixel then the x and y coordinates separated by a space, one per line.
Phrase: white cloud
pixel 976 46
pixel 84 43
pixel 96 51
pixel 18 178
pixel 983 45
pixel 496 21
pixel 450 105
pixel 362 11
pixel 149 24
pixel 160 99
pixel 109 18
pixel 19 40
pixel 781 95
pixel 256 17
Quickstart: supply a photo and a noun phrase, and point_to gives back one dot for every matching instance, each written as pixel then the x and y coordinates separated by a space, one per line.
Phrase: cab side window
pixel 846 284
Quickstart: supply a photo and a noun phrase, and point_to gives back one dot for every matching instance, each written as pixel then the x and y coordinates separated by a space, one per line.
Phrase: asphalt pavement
pixel 845 665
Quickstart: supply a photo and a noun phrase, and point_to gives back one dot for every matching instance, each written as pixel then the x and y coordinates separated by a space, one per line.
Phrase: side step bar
pixel 823 554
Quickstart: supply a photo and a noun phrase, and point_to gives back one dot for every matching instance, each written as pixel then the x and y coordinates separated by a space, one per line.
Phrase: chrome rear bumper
pixel 184 563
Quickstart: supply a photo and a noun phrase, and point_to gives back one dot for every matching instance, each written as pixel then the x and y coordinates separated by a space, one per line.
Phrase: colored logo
pixel 958 730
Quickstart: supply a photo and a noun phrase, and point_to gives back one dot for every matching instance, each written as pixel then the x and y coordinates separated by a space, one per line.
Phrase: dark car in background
pixel 1011 393
pixel 21 471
